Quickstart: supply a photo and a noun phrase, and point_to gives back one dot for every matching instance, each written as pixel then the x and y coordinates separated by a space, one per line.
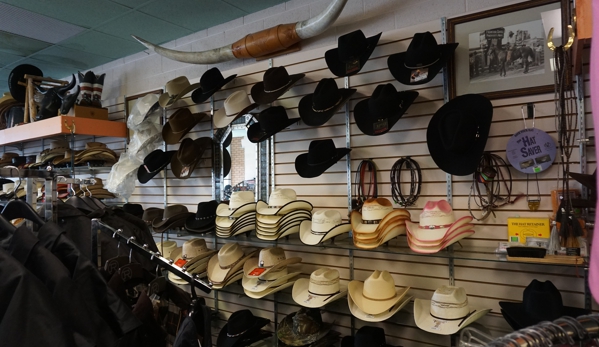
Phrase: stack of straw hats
pixel 192 257
pixel 282 215
pixel 236 217
pixel 377 223
pixel 226 267
pixel 269 273
pixel 325 225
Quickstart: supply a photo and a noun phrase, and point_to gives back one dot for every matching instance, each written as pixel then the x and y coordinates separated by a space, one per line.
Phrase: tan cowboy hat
pixel 175 90
pixel 272 230
pixel 192 253
pixel 241 230
pixel 6 97
pixel 389 234
pixel 166 248
pixel 325 224
pixel 229 260
pixel 294 229
pixel 436 221
pixel 375 213
pixel 7 158
pixel 232 279
pixel 179 124
pixel 56 149
pixel 447 312
pixel 377 293
pixel 240 203
pixel 270 260
pixel 366 317
pixel 437 248
pixel 321 288
pixel 236 105
pixel 282 201
pixel 271 290
pixel 391 220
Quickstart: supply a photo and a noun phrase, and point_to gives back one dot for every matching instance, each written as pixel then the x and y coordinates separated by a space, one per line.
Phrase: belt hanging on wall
pixel 415 181
pixel 367 168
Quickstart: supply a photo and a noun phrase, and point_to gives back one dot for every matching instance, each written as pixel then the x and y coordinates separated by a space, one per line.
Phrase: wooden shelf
pixel 62 125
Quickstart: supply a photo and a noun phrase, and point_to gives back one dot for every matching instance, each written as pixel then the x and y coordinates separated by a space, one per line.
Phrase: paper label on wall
pixel 531 151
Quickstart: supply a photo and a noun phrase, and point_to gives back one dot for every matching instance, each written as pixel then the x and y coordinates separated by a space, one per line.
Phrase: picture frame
pixel 503 52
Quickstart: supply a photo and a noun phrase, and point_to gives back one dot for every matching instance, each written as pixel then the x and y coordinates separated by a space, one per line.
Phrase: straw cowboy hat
pixel 175 90
pixel 325 225
pixel 179 124
pixel 233 278
pixel 447 312
pixel 242 325
pixel 6 158
pixel 210 82
pixel 229 260
pixel 376 294
pixel 276 82
pixel 303 327
pixel 352 52
pixel 317 108
pixel 236 105
pixel 204 218
pixel 190 257
pixel 321 288
pixel 267 221
pixel 286 229
pixel 174 216
pixel 57 149
pixel 166 248
pixel 322 154
pixel 457 234
pixel 239 204
pixel 268 273
pixel 376 214
pixel 231 222
pixel 282 201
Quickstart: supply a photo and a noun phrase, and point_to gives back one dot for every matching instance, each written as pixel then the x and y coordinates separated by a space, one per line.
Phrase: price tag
pixel 418 75
pixel 257 271
pixel 181 262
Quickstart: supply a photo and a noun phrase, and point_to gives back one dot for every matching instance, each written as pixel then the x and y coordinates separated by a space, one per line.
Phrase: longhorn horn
pixel 258 44
pixel 62 90
pixel 40 89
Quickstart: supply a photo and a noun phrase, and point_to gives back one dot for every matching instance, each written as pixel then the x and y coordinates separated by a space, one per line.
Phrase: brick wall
pixel 237 161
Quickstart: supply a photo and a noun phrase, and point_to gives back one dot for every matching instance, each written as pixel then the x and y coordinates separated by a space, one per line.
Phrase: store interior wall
pixel 485 282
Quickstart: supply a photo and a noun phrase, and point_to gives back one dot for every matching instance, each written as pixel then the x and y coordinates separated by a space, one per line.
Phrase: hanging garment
pixel 187 336
pixel 77 227
pixel 594 266
pixel 23 296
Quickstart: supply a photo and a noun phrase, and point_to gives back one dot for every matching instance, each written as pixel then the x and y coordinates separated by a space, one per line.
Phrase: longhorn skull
pixel 265 42
pixel 52 100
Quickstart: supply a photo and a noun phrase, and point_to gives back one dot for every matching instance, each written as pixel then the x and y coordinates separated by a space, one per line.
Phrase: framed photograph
pixel 503 52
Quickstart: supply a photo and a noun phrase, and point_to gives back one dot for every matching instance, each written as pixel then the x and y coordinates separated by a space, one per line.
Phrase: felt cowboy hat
pixel 18 75
pixel 436 221
pixel 167 248
pixel 240 202
pixel 379 113
pixel 376 294
pixel 153 164
pixel 179 124
pixel 226 162
pixel 366 336
pixel 352 52
pixel 174 216
pixel 175 90
pixel 133 209
pixel 210 82
pixel 241 326
pixel 236 105
pixel 191 253
pixel 204 217
pixel 270 121
pixel 276 82
pixel 325 225
pixel 457 133
pixel 143 108
pixel 189 155
pixel 230 259
pixel 282 201
pixel 376 215
pixel 320 289
pixel 303 327
pixel 447 312
pixel 322 154
pixel 589 181
pixel 541 301
pixel 152 213
pixel 422 61
pixel 317 108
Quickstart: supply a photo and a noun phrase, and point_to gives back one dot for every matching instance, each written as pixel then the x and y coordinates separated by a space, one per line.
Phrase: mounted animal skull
pixel 258 44
pixel 52 100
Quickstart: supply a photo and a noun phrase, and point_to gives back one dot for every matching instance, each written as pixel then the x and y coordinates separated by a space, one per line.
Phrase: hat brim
pixel 199 95
pixel 262 207
pixel 426 322
pixel 17 75
pixel 218 275
pixel 270 290
pixel 305 170
pixel 374 229
pixel 308 237
pixel 252 264
pixel 262 97
pixel 233 222
pixel 222 210
pixel 284 232
pixel 355 290
pixel 165 224
pixel 255 133
pixel 317 118
pixel 448 236
pixel 288 336
pixel 402 73
pixel 166 101
pixel 361 315
pixel 222 120
pixel 366 121
pixel 200 226
pixel 388 235
pixel 589 181
pixel 257 285
pixel 464 163
pixel 143 176
pixel 172 138
pixel 223 340
pixel 435 249
pixel 521 319
pixel 434 236
pixel 267 221
pixel 284 228
pixel 338 68
pixel 303 297
pixel 247 228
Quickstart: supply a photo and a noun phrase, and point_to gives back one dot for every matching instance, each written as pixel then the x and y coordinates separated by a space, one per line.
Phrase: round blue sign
pixel 531 150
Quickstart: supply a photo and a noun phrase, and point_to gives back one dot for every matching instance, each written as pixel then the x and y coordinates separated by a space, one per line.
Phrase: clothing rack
pixel 565 330
pixel 98 226
pixel 49 207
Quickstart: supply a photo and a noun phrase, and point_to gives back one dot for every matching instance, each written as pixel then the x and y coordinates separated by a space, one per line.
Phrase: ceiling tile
pixel 7 59
pixel 102 44
pixel 254 5
pixel 133 3
pixel 195 15
pixel 72 58
pixel 147 27
pixel 85 13
pixel 19 45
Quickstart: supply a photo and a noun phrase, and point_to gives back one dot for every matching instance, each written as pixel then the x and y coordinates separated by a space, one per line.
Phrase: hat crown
pixel 194 247
pixel 307 321
pixel 458 131
pixel 58 144
pixel 176 85
pixel 376 208
pixel 229 254
pixel 155 159
pixel 180 120
pixel 239 322
pixel 369 336
pixel 173 210
pixel 351 46
pixel 152 213
pixel 542 300
pixel 272 118
pixel 276 78
pixel 324 281
pixel 449 302
pixel 207 208
pixel 8 187
pixel 436 213
pixel 211 79
pixel 280 197
pixel 166 248
pixel 379 286
pixel 321 151
pixel 188 152
pixel 95 145
pixel 326 95
pixel 236 102
pixel 325 220
pixel 384 101
pixel 269 257
pixel 241 198
pixel 422 51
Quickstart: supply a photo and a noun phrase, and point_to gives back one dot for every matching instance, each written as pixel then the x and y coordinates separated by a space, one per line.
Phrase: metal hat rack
pixel 98 226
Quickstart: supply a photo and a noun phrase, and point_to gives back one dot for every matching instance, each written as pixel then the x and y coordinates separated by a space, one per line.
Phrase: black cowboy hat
pixel 210 82
pixel 321 155
pixel 422 61
pixel 541 301
pixel 270 121
pixel 18 75
pixel 316 109
pixel 352 52
pixel 366 336
pixel 153 164
pixel 275 83
pixel 204 218
pixel 226 162
pixel 135 209
pixel 241 325
pixel 589 181
pixel 457 133
pixel 379 113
